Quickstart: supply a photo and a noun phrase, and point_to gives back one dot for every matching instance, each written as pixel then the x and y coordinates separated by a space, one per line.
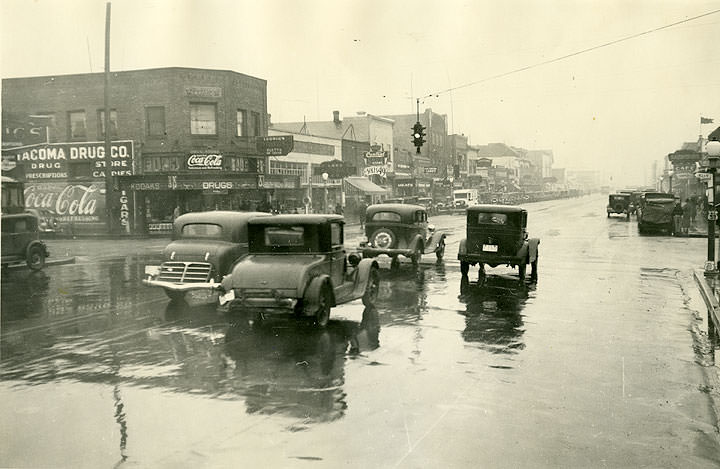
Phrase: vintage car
pixel 20 231
pixel 47 223
pixel 655 212
pixel 204 247
pixel 400 230
pixel 297 266
pixel 497 235
pixel 618 203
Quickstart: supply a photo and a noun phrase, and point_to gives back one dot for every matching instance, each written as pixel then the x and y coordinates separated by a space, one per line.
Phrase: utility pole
pixel 106 123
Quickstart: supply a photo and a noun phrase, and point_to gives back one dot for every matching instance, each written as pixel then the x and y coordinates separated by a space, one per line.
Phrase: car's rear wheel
pixel 464 268
pixel 383 239
pixel 36 258
pixel 372 288
pixel 322 316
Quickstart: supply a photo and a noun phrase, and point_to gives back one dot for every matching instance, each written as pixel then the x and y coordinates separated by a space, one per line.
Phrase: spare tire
pixel 383 239
pixel 618 208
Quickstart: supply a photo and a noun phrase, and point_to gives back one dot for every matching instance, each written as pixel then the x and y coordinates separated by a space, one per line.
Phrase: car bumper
pixel 374 252
pixel 279 304
pixel 493 260
pixel 181 287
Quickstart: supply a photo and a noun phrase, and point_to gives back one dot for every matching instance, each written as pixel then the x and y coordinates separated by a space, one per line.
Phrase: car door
pixel 337 254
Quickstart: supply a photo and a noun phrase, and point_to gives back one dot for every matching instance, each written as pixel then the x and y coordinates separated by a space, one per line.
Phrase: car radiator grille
pixel 185 272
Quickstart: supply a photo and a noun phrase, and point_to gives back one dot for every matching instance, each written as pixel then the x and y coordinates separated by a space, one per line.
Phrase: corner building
pixel 186 138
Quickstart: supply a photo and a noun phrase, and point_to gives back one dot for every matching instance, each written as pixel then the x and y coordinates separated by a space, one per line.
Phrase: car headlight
pixel 363 239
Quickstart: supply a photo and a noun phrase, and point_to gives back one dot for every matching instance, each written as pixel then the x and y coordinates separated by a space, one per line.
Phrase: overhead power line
pixel 583 51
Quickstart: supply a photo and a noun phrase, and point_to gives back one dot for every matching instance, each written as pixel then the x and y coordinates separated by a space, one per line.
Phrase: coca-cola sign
pixel 204 161
pixel 68 202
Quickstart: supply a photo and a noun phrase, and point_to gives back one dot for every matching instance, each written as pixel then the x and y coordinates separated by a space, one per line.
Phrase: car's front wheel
pixel 322 316
pixel 36 258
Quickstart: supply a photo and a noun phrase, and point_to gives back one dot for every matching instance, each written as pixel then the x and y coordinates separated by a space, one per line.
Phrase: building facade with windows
pixel 185 138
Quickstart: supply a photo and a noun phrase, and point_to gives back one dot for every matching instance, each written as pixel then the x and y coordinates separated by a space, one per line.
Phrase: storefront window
pixel 203 119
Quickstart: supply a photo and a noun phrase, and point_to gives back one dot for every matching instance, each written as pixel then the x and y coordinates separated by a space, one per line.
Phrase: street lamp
pixel 670 175
pixel 325 178
pixel 713 152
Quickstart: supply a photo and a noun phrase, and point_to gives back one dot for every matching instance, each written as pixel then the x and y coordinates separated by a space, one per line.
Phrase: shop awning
pixel 365 185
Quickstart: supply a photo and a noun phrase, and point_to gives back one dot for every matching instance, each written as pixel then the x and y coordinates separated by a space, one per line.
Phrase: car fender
pixel 462 248
pixel 434 240
pixel 34 243
pixel 311 295
pixel 363 274
pixel 533 248
pixel 417 244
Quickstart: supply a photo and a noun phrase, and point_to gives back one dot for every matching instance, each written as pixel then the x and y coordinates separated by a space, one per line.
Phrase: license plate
pixel 227 297
pixel 490 247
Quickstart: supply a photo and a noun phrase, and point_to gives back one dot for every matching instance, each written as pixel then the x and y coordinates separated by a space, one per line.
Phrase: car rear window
pixel 386 216
pixel 285 236
pixel 492 219
pixel 202 230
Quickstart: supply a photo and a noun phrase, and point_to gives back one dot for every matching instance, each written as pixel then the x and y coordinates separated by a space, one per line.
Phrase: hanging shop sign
pixel 374 170
pixel 430 170
pixel 335 169
pixel 204 161
pixel 376 158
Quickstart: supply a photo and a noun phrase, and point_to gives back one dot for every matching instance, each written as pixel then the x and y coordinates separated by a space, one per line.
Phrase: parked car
pixel 204 247
pixel 400 230
pixel 20 231
pixel 497 235
pixel 618 203
pixel 297 266
pixel 655 212
pixel 47 223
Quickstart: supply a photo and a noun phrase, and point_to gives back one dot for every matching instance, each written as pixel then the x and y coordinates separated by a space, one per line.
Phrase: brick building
pixel 182 137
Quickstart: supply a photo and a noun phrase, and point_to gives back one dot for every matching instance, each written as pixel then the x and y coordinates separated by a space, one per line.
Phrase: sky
pixel 498 69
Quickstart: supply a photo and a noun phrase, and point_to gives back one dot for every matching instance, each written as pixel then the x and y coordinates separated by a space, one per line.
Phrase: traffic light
pixel 418 135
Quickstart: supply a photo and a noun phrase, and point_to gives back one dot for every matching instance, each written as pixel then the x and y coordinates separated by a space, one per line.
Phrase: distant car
pixel 497 235
pixel 297 266
pixel 618 203
pixel 204 247
pixel 47 223
pixel 400 230
pixel 20 231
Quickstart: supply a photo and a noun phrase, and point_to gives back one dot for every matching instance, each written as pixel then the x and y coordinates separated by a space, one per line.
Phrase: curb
pixel 710 301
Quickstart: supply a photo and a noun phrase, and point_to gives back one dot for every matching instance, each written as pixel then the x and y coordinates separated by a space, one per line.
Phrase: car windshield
pixel 386 216
pixel 285 236
pixel 202 230
pixel 492 218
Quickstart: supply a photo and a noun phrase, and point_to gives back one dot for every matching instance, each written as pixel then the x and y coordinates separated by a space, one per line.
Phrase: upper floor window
pixel 155 119
pixel 241 132
pixel 77 127
pixel 255 123
pixel 113 123
pixel 203 119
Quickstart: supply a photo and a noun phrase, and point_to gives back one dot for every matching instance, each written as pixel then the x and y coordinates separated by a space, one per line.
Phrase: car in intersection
pixel 497 235
pixel 203 248
pixel 618 204
pixel 398 230
pixel 297 267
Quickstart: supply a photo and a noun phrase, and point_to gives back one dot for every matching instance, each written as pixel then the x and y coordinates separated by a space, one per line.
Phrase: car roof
pixel 402 209
pixel 620 194
pixel 495 208
pixel 219 217
pixel 292 219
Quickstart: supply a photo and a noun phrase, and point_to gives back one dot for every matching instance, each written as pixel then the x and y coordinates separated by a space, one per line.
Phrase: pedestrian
pixel 686 216
pixel 362 208
pixel 176 212
pixel 692 206
pixel 677 215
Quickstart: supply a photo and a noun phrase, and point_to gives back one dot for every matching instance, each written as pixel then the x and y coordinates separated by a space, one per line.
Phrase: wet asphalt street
pixel 603 362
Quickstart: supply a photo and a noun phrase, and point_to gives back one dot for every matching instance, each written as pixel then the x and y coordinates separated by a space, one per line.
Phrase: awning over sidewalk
pixel 365 185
